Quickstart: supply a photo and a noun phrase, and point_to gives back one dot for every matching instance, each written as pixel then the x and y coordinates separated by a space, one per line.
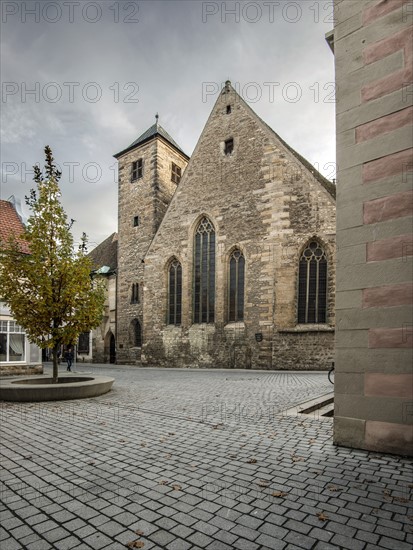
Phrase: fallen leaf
pixel 252 461
pixel 279 494
pixel 143 444
pixel 333 488
pixel 311 441
pixel 263 483
pixel 168 456
pixel 139 532
pixel 135 544
pixel 171 433
pixel 176 487
pixel 163 482
pixel 297 458
pixel 91 463
pixel 322 516
pixel 400 499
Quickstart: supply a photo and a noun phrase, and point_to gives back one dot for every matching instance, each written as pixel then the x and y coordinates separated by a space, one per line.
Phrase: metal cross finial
pixel 157 118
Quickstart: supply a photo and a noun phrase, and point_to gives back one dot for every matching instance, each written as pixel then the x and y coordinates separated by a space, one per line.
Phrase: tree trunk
pixel 55 364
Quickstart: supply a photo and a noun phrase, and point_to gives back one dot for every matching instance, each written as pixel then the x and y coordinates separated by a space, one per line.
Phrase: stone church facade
pixel 226 259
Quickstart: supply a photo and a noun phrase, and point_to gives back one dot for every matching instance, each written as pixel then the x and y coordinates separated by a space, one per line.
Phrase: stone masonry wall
pixel 374 69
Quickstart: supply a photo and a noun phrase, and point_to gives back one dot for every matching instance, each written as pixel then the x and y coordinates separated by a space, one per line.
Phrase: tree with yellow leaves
pixel 49 290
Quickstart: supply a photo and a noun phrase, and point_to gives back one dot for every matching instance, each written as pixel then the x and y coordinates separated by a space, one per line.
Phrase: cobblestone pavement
pixel 184 459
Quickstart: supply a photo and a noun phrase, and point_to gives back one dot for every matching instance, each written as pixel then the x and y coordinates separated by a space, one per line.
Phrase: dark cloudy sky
pixel 87 78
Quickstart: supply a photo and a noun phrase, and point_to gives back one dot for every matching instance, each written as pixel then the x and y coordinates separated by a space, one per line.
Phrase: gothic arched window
pixel 204 273
pixel 136 333
pixel 174 293
pixel 312 284
pixel 236 286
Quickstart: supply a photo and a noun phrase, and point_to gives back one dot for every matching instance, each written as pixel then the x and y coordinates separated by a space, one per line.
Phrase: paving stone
pixel 199 539
pixel 270 542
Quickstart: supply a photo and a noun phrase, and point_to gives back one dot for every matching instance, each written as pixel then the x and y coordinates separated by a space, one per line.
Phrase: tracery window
pixel 175 293
pixel 236 286
pixel 312 284
pixel 204 273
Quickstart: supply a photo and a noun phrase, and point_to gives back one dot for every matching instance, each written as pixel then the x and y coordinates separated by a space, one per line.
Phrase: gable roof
pixel 154 131
pixel 106 254
pixel 327 184
pixel 11 226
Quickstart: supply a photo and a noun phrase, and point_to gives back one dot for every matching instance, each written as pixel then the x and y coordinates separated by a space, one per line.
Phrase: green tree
pixel 49 290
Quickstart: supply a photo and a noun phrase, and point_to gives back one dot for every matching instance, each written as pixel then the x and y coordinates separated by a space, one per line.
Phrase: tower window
pixel 228 109
pixel 176 173
pixel 135 294
pixel 136 221
pixel 229 146
pixel 137 169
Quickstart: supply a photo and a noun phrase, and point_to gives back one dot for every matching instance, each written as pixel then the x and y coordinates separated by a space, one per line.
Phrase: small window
pixel 229 146
pixel 236 286
pixel 175 293
pixel 83 343
pixel 136 221
pixel 135 294
pixel 176 173
pixel 228 109
pixel 137 169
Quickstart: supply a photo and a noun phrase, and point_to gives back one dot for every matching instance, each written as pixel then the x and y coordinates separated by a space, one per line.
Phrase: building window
pixel 136 334
pixel 175 293
pixel 12 342
pixel 136 221
pixel 176 174
pixel 204 273
pixel 229 146
pixel 83 343
pixel 135 294
pixel 137 169
pixel 236 286
pixel 312 285
pixel 228 109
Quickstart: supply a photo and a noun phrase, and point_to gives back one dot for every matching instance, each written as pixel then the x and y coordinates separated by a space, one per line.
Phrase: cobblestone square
pixel 182 459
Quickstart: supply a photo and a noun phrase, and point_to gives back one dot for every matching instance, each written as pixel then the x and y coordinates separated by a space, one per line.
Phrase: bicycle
pixel 331 374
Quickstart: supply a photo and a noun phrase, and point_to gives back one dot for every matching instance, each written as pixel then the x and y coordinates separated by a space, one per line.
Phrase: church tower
pixel 150 170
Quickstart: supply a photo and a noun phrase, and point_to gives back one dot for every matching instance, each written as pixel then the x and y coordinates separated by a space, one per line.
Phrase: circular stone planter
pixel 42 388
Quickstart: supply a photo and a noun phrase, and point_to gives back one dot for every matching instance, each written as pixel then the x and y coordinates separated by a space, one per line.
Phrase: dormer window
pixel 176 173
pixel 228 109
pixel 137 169
pixel 229 146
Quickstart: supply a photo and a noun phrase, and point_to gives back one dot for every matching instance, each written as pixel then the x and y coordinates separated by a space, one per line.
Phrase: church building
pixel 225 259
